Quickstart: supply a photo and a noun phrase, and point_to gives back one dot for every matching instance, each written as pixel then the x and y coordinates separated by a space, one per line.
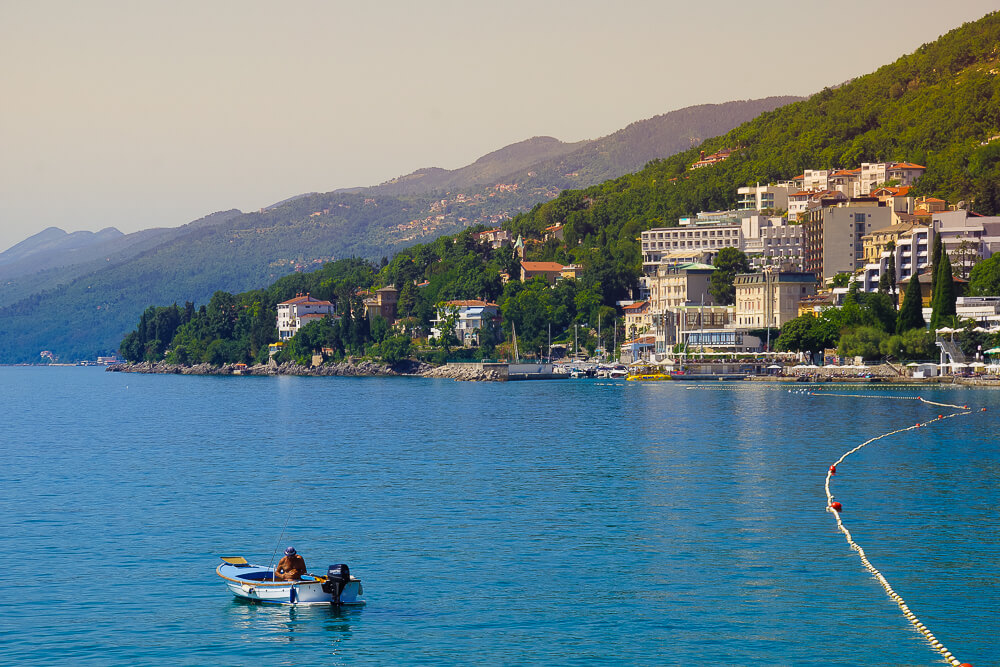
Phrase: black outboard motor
pixel 337 577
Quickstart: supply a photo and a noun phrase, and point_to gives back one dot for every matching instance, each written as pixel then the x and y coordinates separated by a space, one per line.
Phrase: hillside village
pixel 799 237
pixel 808 241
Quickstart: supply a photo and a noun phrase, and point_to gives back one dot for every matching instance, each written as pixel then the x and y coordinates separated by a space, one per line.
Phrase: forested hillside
pixel 939 107
pixel 79 309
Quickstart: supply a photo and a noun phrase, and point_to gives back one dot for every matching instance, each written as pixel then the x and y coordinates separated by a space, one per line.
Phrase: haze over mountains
pixel 77 294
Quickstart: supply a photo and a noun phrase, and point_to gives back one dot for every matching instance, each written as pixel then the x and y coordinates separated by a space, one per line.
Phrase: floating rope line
pixel 835 508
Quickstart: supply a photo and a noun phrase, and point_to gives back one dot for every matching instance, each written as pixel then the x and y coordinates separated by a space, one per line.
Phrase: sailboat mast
pixel 517 356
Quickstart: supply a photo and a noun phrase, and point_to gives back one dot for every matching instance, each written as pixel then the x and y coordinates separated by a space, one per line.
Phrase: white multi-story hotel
pixel 767 240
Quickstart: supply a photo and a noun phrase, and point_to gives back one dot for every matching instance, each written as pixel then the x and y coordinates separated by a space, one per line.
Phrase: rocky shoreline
pixel 350 368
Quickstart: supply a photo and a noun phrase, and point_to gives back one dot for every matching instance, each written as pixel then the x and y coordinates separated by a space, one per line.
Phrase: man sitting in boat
pixel 291 567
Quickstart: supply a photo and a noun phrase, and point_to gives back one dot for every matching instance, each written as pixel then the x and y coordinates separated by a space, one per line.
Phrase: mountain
pixel 53 257
pixel 55 241
pixel 80 305
pixel 938 107
pixel 487 170
pixel 631 148
pixel 548 162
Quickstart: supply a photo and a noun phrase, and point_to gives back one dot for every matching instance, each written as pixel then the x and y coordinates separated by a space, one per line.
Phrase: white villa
pixel 294 313
pixel 472 315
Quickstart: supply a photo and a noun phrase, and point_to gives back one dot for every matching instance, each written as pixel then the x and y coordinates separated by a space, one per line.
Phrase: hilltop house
pixel 550 271
pixel 295 313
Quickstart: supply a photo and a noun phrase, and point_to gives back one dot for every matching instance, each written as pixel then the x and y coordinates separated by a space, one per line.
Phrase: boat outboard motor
pixel 337 577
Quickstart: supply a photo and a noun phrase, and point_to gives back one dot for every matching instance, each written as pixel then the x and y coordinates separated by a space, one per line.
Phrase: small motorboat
pixel 257 582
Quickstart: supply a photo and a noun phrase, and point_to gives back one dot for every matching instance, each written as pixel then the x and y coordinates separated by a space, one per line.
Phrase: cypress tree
pixel 936 254
pixel 891 272
pixel 910 315
pixel 943 298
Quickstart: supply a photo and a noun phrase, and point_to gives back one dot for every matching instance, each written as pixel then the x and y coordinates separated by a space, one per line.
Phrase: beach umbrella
pixel 977 364
pixel 945 330
pixel 913 363
pixel 993 350
pixel 774 367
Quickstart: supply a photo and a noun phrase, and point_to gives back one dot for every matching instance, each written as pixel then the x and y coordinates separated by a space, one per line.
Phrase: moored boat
pixel 649 377
pixel 256 582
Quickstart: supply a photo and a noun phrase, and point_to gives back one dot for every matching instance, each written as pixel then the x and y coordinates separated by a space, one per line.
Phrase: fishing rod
pixel 278 545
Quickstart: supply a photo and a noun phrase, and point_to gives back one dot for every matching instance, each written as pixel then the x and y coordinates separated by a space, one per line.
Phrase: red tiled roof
pixel 542 266
pixel 305 298
pixel 636 306
pixel 468 303
pixel 906 165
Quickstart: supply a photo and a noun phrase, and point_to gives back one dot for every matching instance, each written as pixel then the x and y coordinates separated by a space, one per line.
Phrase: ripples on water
pixel 569 522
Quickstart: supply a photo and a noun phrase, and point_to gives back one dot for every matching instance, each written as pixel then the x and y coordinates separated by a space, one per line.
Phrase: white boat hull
pixel 253 582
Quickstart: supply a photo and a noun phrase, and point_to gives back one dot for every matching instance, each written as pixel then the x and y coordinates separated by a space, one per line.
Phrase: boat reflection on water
pixel 254 622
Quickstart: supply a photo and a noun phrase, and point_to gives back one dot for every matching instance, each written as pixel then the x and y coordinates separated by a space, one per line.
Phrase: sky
pixel 134 115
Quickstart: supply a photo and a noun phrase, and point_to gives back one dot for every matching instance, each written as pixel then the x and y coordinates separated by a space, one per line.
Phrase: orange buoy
pixel 940 416
pixel 833 470
pixel 836 506
pixel 965 664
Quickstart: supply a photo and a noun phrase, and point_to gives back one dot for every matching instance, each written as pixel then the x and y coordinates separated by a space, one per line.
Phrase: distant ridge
pixel 80 305
pixel 553 163
pixel 55 240
pixel 487 170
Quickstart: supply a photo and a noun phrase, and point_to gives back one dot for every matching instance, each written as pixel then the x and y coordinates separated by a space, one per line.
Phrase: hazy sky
pixel 152 114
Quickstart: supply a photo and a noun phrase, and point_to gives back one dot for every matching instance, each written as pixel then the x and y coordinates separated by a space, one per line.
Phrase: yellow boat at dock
pixel 649 377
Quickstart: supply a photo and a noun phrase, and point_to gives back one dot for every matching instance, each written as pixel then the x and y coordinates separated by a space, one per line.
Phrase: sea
pixel 571 522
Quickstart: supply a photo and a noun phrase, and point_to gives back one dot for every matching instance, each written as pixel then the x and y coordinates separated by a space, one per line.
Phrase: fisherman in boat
pixel 291 567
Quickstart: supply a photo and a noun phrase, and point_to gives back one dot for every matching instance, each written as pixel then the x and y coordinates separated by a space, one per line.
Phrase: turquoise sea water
pixel 572 522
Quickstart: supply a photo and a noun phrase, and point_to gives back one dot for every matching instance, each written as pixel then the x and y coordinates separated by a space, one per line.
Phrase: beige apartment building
pixel 679 285
pixel 770 299
pixel 833 235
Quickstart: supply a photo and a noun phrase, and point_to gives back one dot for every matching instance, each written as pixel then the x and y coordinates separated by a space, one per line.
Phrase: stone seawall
pixel 469 372
pixel 343 369
pixel 463 372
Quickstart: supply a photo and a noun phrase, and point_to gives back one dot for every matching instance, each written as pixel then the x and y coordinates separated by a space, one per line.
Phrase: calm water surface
pixel 570 522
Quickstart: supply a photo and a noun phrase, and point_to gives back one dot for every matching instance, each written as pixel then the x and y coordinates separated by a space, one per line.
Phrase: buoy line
pixel 835 508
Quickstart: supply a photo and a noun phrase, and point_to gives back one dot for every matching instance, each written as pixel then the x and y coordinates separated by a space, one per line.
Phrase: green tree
pixel 861 342
pixel 918 344
pixel 936 253
pixel 887 281
pixel 911 315
pixel 943 298
pixel 841 280
pixel 808 333
pixel 395 348
pixel 984 279
pixel 728 263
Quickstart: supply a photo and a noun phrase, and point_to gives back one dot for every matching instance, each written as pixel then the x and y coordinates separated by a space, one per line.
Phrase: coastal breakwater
pixel 350 368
